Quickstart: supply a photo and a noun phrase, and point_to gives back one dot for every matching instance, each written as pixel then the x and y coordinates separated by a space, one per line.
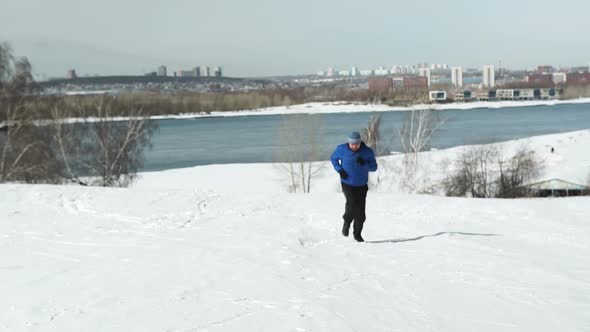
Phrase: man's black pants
pixel 355 206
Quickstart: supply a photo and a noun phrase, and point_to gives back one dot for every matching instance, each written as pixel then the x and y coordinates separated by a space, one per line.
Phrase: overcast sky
pixel 286 37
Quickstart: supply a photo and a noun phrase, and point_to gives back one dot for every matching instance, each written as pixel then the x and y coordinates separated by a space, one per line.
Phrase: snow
pixel 225 248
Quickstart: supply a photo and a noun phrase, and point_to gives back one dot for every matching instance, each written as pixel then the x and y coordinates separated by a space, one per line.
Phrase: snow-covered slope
pixel 224 248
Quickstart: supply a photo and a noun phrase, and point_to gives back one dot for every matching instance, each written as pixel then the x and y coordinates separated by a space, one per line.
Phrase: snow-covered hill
pixel 225 248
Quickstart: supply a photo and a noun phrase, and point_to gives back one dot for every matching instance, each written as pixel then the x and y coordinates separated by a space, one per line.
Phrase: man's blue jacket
pixel 344 158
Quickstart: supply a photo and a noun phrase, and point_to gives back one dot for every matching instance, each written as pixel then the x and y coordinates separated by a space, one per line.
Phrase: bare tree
pixel 481 171
pixel 67 142
pixel 103 151
pixel 371 134
pixel 23 148
pixel 114 152
pixel 300 148
pixel 16 147
pixel 415 135
pixel 517 171
pixel 474 173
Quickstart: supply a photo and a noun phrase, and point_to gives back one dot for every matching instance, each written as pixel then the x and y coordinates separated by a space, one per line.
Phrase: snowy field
pixel 225 248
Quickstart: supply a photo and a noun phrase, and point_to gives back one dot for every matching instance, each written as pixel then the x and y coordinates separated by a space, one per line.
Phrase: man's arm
pixel 372 162
pixel 335 159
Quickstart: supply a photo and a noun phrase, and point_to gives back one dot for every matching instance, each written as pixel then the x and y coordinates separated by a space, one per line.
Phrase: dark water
pixel 248 139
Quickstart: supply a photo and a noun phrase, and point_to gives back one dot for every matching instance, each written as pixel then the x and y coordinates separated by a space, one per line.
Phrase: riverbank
pixel 342 107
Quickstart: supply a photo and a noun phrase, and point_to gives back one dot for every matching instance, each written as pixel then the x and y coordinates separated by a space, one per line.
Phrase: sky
pixel 283 37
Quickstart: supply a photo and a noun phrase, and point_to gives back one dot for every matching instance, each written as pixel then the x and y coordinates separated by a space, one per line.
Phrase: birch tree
pixel 415 135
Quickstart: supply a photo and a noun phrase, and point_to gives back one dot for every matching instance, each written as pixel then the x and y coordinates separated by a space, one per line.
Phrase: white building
pixel 457 76
pixel 381 71
pixel 527 94
pixel 366 72
pixel 505 94
pixel 489 76
pixel 425 72
pixel 354 71
pixel 437 95
pixel 205 71
pixel 559 78
pixel 218 71
pixel 344 73
pixel 185 73
pixel 330 72
pixel 162 71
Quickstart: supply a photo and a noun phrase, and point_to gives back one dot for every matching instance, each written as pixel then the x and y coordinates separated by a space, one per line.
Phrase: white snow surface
pixel 225 248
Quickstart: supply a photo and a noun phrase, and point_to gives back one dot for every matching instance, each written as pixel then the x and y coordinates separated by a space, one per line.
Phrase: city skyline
pixel 255 40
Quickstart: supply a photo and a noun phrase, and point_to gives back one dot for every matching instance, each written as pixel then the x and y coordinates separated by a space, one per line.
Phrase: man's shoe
pixel 358 238
pixel 345 228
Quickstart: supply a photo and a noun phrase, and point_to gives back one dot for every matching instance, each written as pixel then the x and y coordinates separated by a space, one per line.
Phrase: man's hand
pixel 343 174
pixel 360 160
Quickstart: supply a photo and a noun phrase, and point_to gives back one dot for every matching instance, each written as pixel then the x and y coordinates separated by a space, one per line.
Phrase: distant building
pixel 483 95
pixel 457 76
pixel 546 93
pixel 206 71
pixel 366 72
pixel 185 73
pixel 380 84
pixel 425 72
pixel 413 82
pixel 489 76
pixel 559 78
pixel 344 73
pixel 398 82
pixel 354 72
pixel 463 95
pixel 556 188
pixel 218 72
pixel 197 71
pixel 162 71
pixel 437 95
pixel 381 71
pixel 505 94
pixel 71 74
pixel 583 69
pixel 526 94
pixel 546 69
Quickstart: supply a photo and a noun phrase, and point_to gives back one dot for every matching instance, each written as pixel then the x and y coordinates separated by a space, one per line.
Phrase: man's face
pixel 354 147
